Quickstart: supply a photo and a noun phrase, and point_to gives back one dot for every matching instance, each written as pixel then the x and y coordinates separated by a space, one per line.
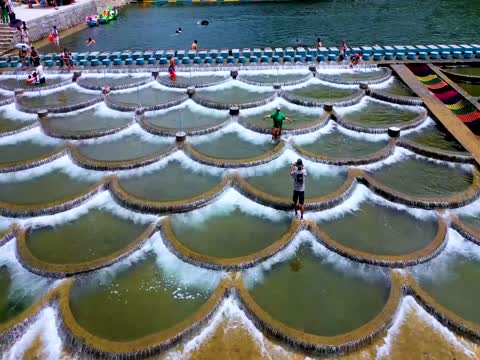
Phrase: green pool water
pixel 338 145
pixel 112 81
pixel 13 303
pixel 187 80
pixel 457 288
pixel 26 150
pixel 279 183
pixel 381 230
pixel 66 97
pixel 146 96
pixel 130 147
pixel 379 114
pixel 7 125
pixel 424 178
pixel 12 83
pixel 300 119
pixel 357 75
pixel 137 302
pixel 232 146
pixel 270 79
pixel 465 70
pixel 93 119
pixel 174 182
pixel 92 236
pixel 437 138
pixel 190 119
pixel 397 88
pixel 312 295
pixel 233 95
pixel 472 221
pixel 320 91
pixel 471 89
pixel 33 191
pixel 229 234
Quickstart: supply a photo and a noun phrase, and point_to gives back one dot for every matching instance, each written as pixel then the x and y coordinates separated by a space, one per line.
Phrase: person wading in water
pixel 277 116
pixel 298 173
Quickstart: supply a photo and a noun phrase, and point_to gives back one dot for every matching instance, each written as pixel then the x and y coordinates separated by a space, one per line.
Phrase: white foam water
pixel 428 122
pixel 10 112
pixel 399 154
pixel 287 158
pixel 229 313
pixel 102 201
pixel 228 202
pixel 279 71
pixel 316 81
pixel 230 84
pixel 471 210
pixel 99 109
pixel 64 164
pixel 383 85
pixel 284 104
pixel 360 195
pixel 232 128
pixel 191 106
pixel 154 85
pixel 133 130
pixel 114 75
pixel 23 283
pixel 366 101
pixel 407 307
pixel 34 135
pixel 202 73
pixel 331 127
pixel 183 273
pixel 438 268
pixel 5 92
pixel 72 86
pixel 258 273
pixel 44 327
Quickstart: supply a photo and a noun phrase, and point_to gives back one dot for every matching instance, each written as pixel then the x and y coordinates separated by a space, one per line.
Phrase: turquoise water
pixel 385 22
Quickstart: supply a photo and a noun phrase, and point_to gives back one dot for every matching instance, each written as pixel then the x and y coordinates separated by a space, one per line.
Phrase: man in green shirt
pixel 277 116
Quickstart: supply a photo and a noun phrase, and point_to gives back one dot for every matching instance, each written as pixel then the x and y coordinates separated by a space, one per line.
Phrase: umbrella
pixel 22 46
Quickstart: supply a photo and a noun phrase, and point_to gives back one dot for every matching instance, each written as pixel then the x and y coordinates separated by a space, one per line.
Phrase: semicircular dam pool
pixel 120 242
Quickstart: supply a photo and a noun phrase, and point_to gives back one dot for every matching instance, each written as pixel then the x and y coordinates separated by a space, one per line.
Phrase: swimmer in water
pixel 179 31
pixel 194 45
pixel 90 41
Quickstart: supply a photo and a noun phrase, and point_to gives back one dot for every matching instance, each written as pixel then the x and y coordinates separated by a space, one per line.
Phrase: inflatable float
pixel 91 21
pixel 107 15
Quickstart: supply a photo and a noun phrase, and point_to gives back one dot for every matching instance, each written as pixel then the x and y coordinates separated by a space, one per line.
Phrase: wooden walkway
pixel 441 112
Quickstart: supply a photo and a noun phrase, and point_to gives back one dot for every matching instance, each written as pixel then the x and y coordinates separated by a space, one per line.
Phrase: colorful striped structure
pixel 452 99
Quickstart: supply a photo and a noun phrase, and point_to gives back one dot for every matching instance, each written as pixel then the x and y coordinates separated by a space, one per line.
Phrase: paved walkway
pixel 441 112
pixel 23 12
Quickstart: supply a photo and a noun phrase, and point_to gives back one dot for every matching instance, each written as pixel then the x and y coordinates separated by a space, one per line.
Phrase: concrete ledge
pixel 419 119
pixel 100 165
pixel 46 269
pixel 441 313
pixel 82 82
pixel 31 163
pixel 312 102
pixel 60 109
pixel 54 207
pixel 156 130
pixel 402 100
pixel 185 86
pixel 82 135
pixel 433 249
pixel 234 163
pixel 324 202
pixel 317 124
pixel 132 107
pixel 322 345
pixel 466 231
pixel 148 206
pixel 368 159
pixel 225 264
pixel 20 130
pixel 81 340
pixel 456 157
pixel 285 83
pixel 387 72
pixel 213 105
